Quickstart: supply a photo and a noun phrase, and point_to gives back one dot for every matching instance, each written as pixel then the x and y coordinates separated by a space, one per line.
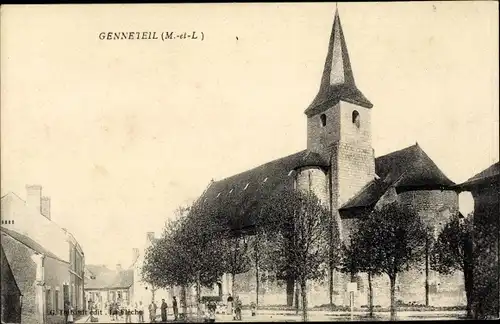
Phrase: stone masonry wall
pixel 314 179
pixel 435 207
pixel 486 235
pixel 24 270
pixel 320 138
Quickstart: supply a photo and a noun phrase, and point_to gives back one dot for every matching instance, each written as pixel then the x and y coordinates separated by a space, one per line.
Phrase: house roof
pixel 37 227
pixel 405 170
pixel 106 278
pixel 337 82
pixel 242 194
pixel 123 279
pixel 487 176
pixel 23 239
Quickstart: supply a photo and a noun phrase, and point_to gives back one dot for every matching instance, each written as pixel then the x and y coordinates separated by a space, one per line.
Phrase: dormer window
pixel 246 186
pixel 355 118
pixel 323 120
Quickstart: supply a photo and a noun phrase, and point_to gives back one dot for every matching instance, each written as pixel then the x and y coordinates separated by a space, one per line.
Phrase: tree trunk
pixel 290 288
pixel 427 273
pixel 468 276
pixel 330 290
pixel 331 265
pixel 232 284
pixel 257 283
pixel 297 296
pixel 184 301
pixel 303 290
pixel 370 294
pixel 198 297
pixel 393 297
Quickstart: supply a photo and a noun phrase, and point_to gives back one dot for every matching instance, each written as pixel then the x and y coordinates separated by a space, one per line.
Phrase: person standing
pixel 128 314
pixel 175 309
pixel 237 309
pixel 141 312
pixel 152 311
pixel 164 308
pixel 66 311
pixel 70 314
pixel 230 305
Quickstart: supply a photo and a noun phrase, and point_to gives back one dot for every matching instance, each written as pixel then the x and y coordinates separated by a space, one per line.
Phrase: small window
pixel 9 222
pixel 290 173
pixel 230 190
pixel 264 180
pixel 323 120
pixel 218 195
pixel 355 118
pixel 12 222
pixel 246 186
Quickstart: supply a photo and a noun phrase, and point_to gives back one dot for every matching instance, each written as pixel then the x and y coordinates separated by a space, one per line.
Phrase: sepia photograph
pixel 249 162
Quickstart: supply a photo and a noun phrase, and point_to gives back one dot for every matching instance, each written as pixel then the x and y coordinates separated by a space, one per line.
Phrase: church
pixel 340 167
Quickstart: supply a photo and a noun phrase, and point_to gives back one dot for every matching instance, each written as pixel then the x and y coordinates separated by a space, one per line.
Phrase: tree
pixel 236 258
pixel 186 255
pixel 359 257
pixel 394 237
pixel 453 251
pixel 298 225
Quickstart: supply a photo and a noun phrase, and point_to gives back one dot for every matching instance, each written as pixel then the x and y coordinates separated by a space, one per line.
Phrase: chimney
pixel 135 254
pixel 150 236
pixel 34 196
pixel 45 206
pixel 118 267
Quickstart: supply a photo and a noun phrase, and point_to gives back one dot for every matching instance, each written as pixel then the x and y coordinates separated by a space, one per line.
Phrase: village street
pixel 290 316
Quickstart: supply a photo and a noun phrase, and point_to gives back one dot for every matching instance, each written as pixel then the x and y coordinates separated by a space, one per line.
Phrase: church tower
pixel 339 123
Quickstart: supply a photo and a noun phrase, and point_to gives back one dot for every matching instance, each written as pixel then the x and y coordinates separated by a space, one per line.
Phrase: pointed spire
pixel 338 80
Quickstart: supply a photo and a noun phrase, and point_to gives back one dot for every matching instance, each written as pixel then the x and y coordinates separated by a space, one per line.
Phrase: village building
pixel 109 285
pixel 144 291
pixel 124 285
pixel 340 167
pixel 46 260
pixel 485 189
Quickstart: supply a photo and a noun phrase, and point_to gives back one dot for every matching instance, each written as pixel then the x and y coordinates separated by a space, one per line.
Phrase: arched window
pixel 355 118
pixel 323 120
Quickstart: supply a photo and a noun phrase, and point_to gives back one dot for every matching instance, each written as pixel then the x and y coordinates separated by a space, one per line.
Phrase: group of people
pixel 117 310
pixel 163 311
pixel 234 306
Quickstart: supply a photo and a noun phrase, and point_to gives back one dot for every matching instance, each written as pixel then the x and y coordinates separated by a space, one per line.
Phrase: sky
pixel 120 133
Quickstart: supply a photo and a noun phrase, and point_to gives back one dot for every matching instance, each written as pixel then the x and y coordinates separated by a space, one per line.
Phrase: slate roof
pixel 405 170
pixel 240 197
pixel 487 176
pixel 411 169
pixel 337 82
pixel 23 239
pixel 106 278
pixel 242 194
